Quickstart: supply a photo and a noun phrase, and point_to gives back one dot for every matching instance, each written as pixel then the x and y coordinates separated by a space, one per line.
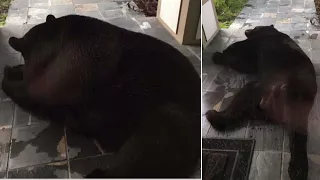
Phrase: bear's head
pixel 289 99
pixel 261 30
pixel 35 38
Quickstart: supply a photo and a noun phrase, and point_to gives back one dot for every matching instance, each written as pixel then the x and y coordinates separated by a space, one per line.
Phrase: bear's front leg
pixel 298 165
pixel 14 73
pixel 223 122
pixel 240 56
pixel 244 106
pixel 14 85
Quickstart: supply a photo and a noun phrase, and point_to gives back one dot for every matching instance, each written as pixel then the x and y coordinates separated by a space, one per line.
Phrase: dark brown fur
pixel 135 94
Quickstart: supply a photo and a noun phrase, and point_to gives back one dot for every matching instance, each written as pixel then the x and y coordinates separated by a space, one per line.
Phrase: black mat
pixel 226 159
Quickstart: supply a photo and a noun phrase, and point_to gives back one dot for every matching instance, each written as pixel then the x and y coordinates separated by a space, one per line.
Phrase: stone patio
pixel 271 156
pixel 32 148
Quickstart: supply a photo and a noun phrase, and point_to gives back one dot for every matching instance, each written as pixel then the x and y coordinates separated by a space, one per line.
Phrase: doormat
pixel 226 159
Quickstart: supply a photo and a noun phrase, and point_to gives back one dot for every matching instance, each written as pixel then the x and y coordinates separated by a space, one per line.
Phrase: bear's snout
pixel 248 32
pixel 15 43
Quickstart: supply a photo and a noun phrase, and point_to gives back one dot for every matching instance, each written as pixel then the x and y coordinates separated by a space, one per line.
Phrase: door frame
pixel 188 21
pixel 206 42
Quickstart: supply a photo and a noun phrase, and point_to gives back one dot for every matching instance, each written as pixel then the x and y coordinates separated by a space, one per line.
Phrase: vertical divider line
pixel 282 154
pixel 201 90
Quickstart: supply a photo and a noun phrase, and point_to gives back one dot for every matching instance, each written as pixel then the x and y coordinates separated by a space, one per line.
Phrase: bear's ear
pixel 16 43
pixel 271 25
pixel 50 17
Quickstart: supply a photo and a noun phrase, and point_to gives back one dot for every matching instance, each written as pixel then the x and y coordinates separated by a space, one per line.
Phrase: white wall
pixel 170 10
pixel 209 20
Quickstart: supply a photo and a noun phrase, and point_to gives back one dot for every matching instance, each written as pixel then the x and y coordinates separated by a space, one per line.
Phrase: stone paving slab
pixel 39 3
pixel 51 170
pixel 108 6
pixel 265 165
pixel 81 167
pixel 37 144
pixel 113 13
pixel 6 114
pixel 81 147
pixel 37 15
pixel 61 2
pixel 19 4
pixel 62 10
pixel 23 118
pixel 5 148
pixel 94 14
pixel 17 16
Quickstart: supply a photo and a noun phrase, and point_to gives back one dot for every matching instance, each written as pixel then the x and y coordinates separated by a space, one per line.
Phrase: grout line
pixel 205 136
pixel 29 121
pixel 99 146
pixel 10 141
pixel 207 89
pixel 40 164
pixel 28 9
pixel 93 156
pixel 67 153
pixel 226 45
pixel 195 54
pixel 138 23
pixel 104 19
pixel 269 151
pixel 203 79
pixel 212 81
pixel 246 133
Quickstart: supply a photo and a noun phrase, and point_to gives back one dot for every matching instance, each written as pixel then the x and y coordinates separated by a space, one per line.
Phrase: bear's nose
pixel 247 32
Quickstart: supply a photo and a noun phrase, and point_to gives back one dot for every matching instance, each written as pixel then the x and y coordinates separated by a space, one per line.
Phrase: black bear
pixel 136 95
pixel 283 93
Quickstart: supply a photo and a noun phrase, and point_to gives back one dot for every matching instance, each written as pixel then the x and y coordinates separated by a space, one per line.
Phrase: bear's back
pixel 133 60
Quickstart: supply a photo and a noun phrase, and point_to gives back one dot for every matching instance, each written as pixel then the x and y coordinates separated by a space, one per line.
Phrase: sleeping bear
pixel 136 95
pixel 283 92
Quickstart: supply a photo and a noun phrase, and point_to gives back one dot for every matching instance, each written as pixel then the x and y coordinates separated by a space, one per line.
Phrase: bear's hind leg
pixel 244 106
pixel 165 145
pixel 298 165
